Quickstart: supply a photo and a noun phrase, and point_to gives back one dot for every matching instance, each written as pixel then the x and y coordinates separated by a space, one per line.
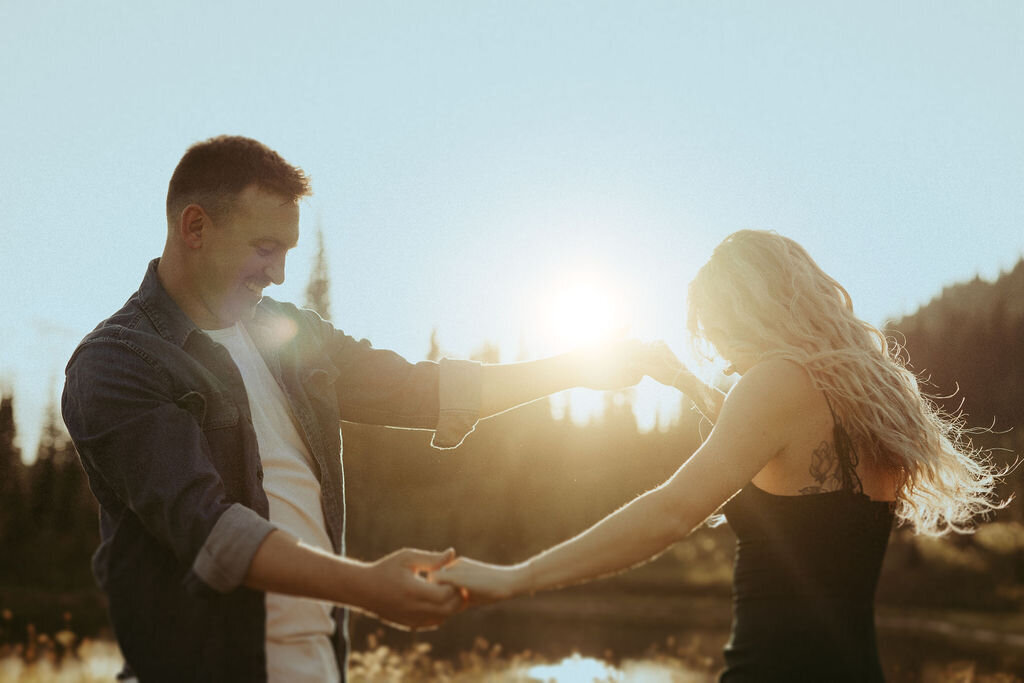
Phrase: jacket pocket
pixel 211 410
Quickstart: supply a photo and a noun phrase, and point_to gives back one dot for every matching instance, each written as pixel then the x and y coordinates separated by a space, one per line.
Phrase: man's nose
pixel 275 271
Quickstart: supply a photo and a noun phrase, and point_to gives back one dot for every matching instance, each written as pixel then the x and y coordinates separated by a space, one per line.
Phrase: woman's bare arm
pixel 750 432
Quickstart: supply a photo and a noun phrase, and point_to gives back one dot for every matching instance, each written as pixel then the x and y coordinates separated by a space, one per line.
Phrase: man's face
pixel 243 252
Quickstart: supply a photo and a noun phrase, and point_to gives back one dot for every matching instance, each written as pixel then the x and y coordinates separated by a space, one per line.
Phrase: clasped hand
pixel 415 589
pixel 481 583
pixel 657 361
pixel 622 363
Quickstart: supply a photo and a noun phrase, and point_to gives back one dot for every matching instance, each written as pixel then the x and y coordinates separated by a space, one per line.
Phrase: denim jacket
pixel 160 418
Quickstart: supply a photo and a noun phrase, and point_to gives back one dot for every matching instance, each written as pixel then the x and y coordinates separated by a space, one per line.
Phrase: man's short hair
pixel 214 172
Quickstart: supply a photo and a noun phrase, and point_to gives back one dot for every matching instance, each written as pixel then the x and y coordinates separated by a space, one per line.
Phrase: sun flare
pixel 583 309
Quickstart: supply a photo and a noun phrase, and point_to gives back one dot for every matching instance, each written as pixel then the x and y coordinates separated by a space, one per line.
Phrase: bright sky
pixel 476 162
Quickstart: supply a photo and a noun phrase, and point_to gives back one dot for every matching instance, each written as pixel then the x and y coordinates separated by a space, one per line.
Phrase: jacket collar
pixel 167 317
pixel 269 330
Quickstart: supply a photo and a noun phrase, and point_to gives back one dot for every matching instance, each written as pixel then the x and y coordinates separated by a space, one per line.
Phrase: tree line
pixel 525 479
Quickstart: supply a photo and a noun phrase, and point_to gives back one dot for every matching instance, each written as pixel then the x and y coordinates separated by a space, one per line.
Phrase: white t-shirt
pixel 299 630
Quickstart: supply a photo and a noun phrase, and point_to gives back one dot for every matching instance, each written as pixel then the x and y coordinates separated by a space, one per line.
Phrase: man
pixel 207 416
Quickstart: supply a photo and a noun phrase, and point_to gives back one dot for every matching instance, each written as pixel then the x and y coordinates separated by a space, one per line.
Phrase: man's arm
pixel 144 451
pixel 390 589
pixel 376 386
pixel 608 366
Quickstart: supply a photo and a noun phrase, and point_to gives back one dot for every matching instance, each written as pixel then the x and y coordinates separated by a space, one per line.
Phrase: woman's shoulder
pixel 764 412
pixel 780 377
pixel 775 388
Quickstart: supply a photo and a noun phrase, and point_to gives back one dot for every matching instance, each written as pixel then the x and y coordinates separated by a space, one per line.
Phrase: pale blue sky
pixel 469 158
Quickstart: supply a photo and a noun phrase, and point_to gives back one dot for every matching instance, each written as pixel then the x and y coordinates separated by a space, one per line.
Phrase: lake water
pixel 682 636
pixel 579 636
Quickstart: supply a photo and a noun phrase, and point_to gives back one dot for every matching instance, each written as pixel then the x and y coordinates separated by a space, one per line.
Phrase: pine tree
pixel 60 528
pixel 12 490
pixel 318 294
pixel 11 466
pixel 489 352
pixel 44 474
pixel 434 353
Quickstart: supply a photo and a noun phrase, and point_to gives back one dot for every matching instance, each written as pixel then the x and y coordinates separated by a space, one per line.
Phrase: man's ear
pixel 192 226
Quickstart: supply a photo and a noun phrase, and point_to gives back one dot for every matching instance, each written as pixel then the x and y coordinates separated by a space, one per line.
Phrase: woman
pixel 822 442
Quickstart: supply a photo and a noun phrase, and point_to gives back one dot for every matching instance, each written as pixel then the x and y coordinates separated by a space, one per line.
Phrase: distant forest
pixel 968 344
pixel 525 480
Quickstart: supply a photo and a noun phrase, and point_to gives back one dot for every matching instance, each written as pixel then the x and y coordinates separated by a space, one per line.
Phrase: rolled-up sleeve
pixel 224 559
pixel 459 398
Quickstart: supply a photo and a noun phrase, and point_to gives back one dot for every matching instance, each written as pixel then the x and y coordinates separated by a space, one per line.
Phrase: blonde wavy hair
pixel 776 302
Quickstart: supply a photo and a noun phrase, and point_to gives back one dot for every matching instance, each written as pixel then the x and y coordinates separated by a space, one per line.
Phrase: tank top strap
pixel 845 453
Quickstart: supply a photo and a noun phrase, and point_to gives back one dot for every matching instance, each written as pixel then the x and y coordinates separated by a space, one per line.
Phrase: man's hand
pixel 395 588
pixel 609 365
pixel 401 594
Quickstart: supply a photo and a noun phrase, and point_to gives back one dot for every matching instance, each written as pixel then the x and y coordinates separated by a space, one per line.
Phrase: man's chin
pixel 249 311
pixel 242 312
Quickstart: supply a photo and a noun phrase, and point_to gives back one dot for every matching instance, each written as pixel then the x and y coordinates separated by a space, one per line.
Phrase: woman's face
pixel 716 332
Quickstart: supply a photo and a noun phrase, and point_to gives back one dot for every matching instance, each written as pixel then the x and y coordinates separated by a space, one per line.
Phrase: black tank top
pixel 804 581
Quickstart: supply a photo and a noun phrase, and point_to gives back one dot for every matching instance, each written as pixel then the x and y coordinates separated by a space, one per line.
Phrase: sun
pixel 582 309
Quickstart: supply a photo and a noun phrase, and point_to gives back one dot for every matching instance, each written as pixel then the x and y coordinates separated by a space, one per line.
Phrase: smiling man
pixel 234 263
pixel 207 419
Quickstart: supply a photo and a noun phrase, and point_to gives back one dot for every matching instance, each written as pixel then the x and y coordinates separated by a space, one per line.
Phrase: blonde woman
pixel 820 445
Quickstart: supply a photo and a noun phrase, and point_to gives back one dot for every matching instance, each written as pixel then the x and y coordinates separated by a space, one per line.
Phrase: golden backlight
pixel 583 309
pixel 586 307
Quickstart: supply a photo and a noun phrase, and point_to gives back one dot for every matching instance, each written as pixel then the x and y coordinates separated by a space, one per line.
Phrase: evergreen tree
pixel 44 474
pixel 434 353
pixel 318 291
pixel 12 489
pixel 60 528
pixel 489 353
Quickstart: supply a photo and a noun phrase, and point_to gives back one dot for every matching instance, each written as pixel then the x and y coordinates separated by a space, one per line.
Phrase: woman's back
pixel 807 562
pixel 803 589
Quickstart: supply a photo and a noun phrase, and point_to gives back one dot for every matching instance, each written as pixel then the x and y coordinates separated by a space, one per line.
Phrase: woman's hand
pixel 482 583
pixel 658 362
pixel 661 364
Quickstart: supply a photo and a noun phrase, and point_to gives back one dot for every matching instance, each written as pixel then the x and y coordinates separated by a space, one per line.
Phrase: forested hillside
pixel 968 343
